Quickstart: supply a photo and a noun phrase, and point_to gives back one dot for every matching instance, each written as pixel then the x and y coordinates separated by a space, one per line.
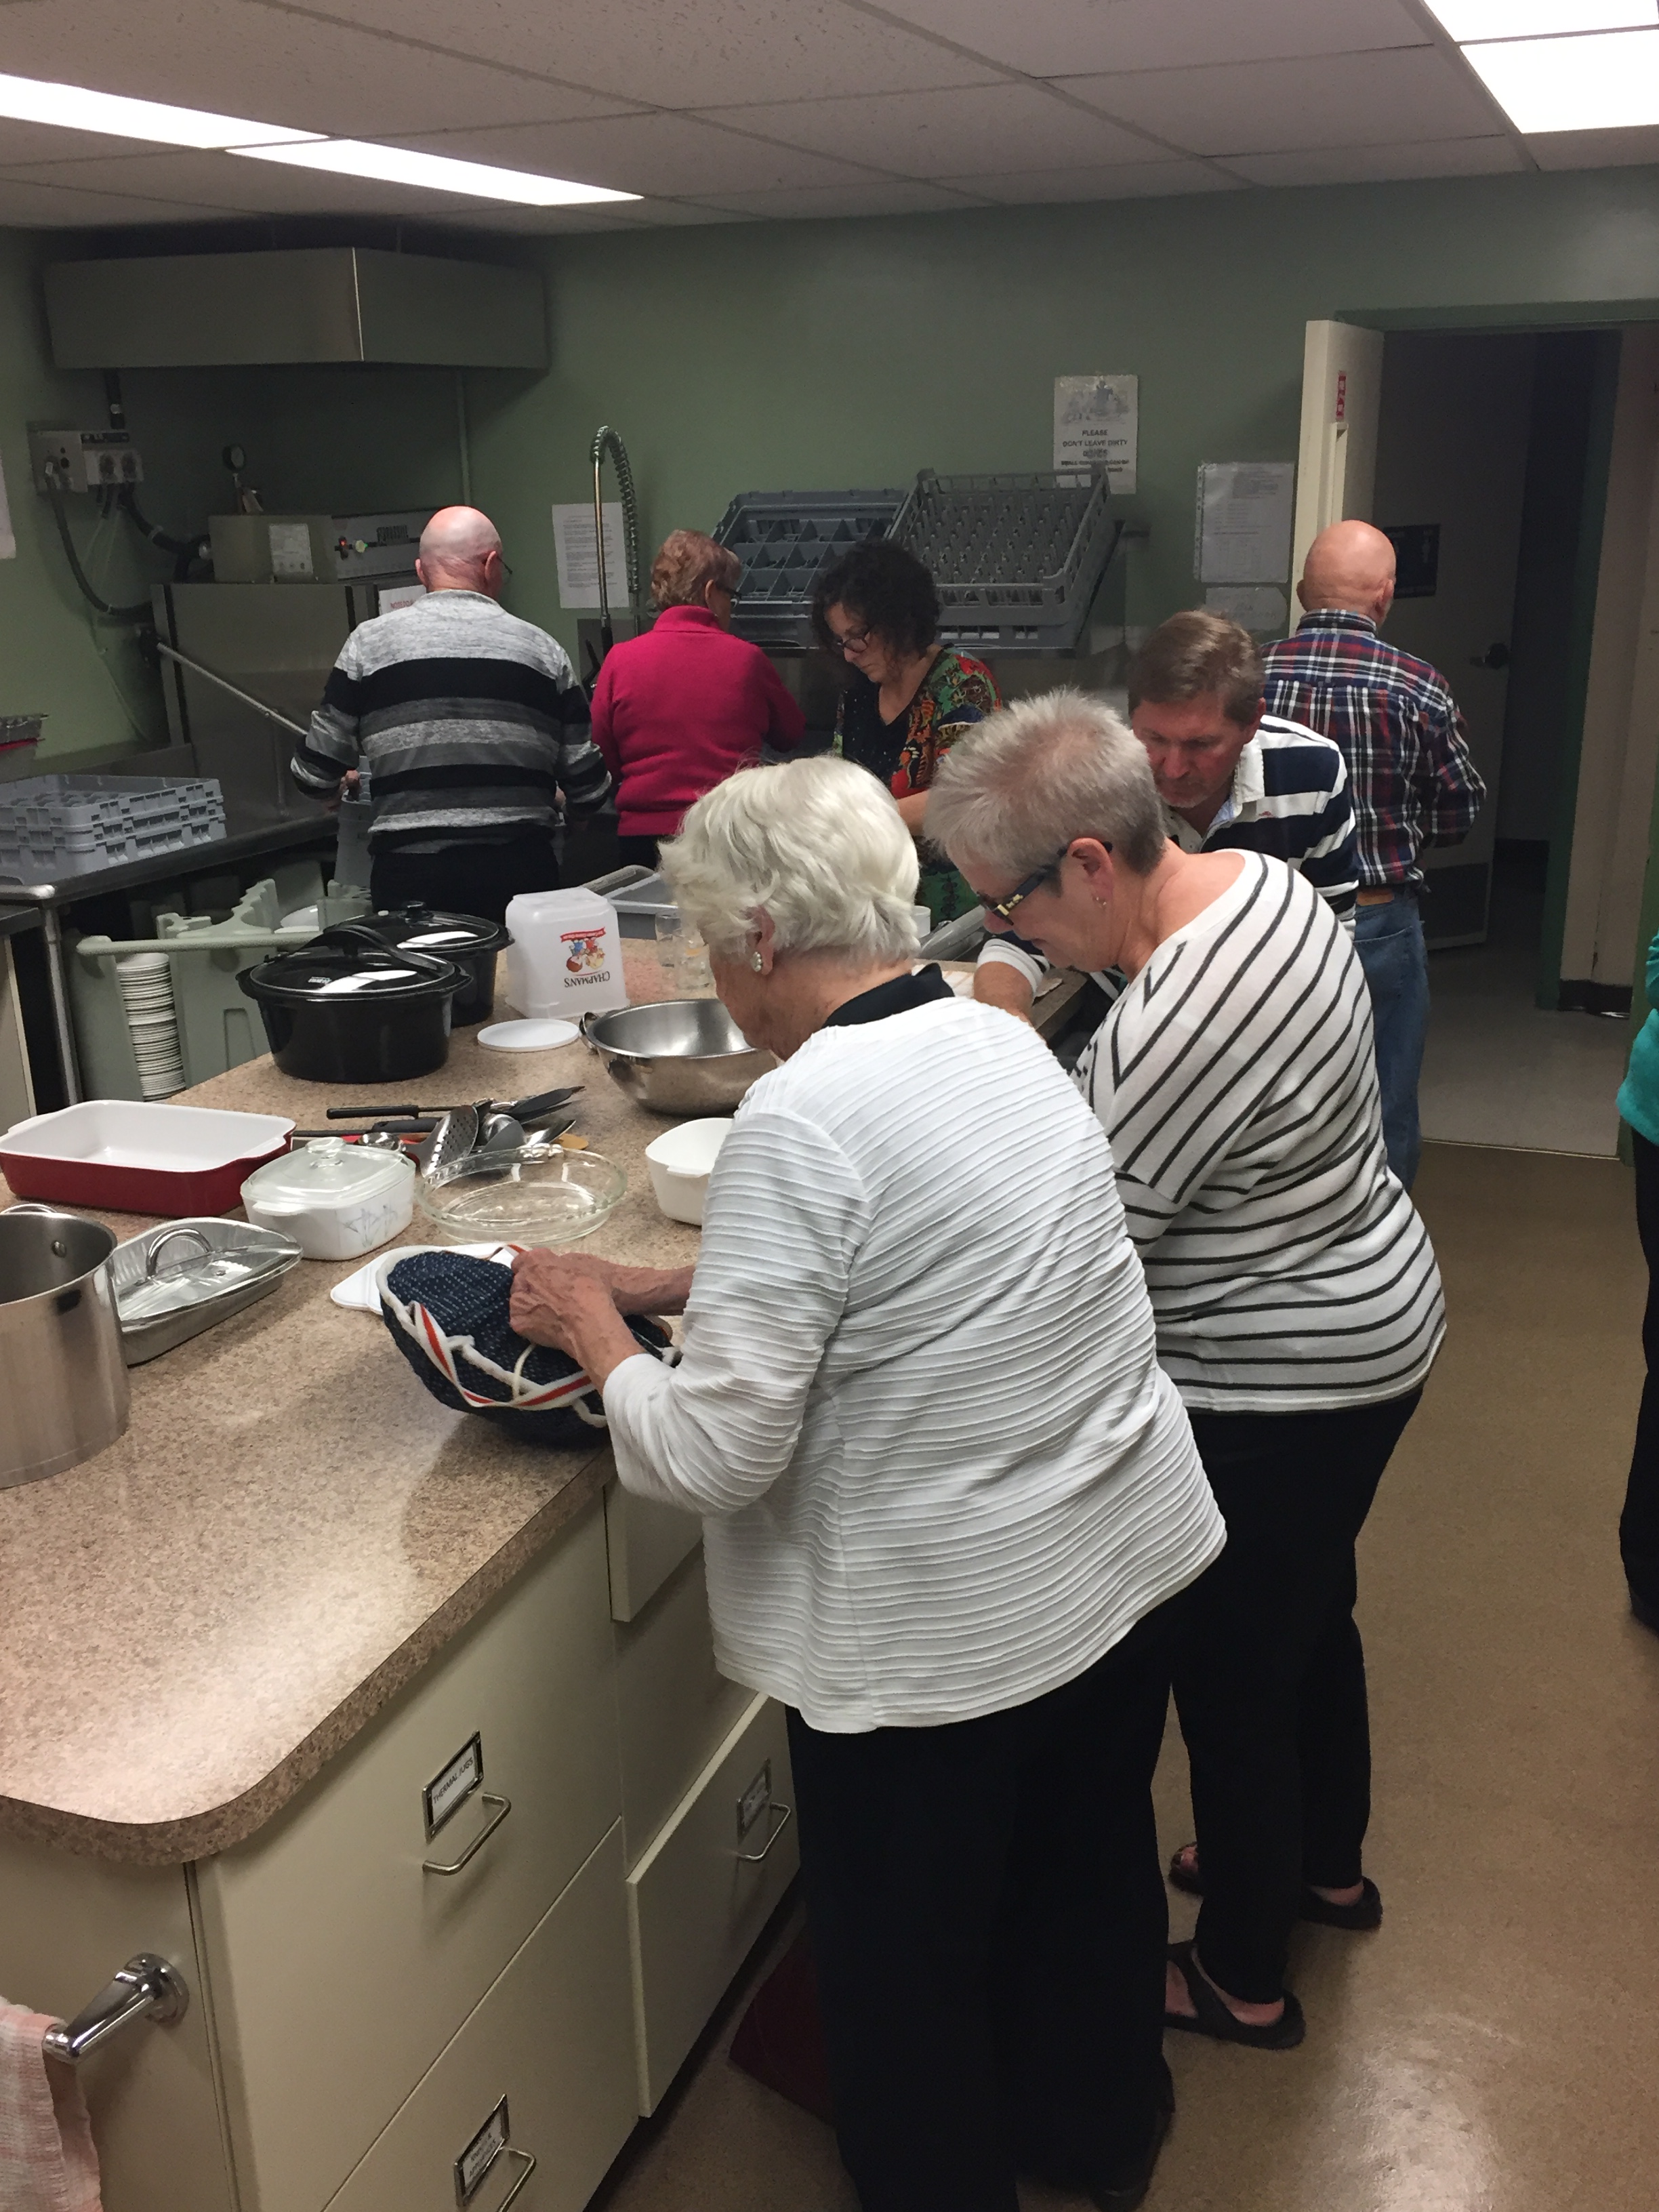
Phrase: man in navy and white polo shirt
pixel 1229 775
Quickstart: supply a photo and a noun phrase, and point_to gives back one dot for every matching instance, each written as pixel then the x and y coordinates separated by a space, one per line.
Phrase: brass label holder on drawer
pixel 492 2141
pixel 753 1805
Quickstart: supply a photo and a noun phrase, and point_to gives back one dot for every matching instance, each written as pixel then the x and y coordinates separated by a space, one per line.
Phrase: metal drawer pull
pixel 754 1858
pixel 529 2161
pixel 503 1806
pixel 147 1988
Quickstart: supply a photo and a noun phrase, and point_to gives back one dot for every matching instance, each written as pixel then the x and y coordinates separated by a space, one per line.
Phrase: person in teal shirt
pixel 1639 1104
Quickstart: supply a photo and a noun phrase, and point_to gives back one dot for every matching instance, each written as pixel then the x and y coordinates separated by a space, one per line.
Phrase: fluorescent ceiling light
pixel 26 100
pixel 1541 19
pixel 1609 81
pixel 433 173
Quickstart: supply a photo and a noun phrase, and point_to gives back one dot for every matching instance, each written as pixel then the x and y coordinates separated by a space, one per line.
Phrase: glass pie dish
pixel 539 1195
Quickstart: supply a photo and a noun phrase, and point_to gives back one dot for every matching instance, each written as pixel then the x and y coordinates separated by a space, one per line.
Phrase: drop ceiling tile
pixel 675 157
pixel 631 215
pixel 900 197
pixel 1364 165
pixel 44 142
pixel 679 53
pixel 1593 149
pixel 1284 106
pixel 936 134
pixel 1063 38
pixel 61 207
pixel 226 181
pixel 1122 181
pixel 240 58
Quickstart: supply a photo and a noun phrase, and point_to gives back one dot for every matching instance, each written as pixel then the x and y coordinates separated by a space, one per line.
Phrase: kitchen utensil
pixel 522 1107
pixel 502 1134
pixel 530 1035
pixel 171 1284
pixel 347 1009
pixel 335 1200
pixel 455 1136
pixel 677 1056
pixel 681 1161
pixel 539 1195
pixel 135 1156
pixel 62 1380
pixel 466 938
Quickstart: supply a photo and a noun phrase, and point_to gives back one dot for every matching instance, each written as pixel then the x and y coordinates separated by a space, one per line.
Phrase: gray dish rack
pixel 784 538
pixel 1017 559
pixel 69 825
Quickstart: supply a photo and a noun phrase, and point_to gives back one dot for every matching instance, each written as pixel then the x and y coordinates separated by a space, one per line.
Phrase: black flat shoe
pixel 1644 1610
pixel 1211 2017
pixel 1364 1914
pixel 1125 2191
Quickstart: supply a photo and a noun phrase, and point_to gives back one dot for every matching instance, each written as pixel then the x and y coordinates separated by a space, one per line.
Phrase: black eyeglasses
pixel 1004 908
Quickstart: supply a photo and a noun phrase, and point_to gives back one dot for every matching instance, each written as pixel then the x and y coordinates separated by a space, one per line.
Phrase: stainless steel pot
pixel 677 1056
pixel 62 1379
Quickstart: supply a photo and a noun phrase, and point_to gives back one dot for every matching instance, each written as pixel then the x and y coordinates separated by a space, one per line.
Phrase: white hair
pixel 816 844
pixel 1014 792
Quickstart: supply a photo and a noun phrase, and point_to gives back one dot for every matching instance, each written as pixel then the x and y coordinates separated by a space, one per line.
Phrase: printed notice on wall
pixel 578 571
pixel 1098 419
pixel 7 535
pixel 1262 609
pixel 1241 531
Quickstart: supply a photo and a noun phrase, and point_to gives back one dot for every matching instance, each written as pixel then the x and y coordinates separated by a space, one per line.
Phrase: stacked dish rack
pixel 1016 559
pixel 784 538
pixel 69 825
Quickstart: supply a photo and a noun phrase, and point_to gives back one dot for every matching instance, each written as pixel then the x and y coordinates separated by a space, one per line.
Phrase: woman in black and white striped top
pixel 1297 1298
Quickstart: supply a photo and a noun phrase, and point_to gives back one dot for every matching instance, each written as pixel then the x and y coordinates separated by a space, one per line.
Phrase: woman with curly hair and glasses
pixel 908 698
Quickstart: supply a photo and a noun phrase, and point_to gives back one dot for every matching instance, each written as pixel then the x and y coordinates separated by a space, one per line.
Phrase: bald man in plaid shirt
pixel 1414 783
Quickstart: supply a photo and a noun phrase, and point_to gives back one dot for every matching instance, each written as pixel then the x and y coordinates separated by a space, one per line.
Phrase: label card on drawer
pixel 481 2153
pixel 755 1801
pixel 451 1787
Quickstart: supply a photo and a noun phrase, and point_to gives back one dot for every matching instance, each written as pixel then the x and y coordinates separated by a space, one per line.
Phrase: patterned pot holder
pixel 448 1315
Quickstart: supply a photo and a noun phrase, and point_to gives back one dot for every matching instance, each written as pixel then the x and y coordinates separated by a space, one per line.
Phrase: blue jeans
pixel 1389 939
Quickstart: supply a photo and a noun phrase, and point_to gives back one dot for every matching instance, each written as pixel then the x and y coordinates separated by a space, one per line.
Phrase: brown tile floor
pixel 1495 2048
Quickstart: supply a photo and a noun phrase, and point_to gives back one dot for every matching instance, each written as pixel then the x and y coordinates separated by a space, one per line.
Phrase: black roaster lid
pixel 349 963
pixel 435 931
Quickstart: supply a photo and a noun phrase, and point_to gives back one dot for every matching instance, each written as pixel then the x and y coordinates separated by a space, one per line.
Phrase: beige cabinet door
pixel 645 1542
pixel 67 1924
pixel 673 1705
pixel 341 1962
pixel 703 1890
pixel 552 2040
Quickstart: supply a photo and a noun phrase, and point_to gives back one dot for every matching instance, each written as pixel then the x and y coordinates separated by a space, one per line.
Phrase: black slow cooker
pixel 466 938
pixel 348 1008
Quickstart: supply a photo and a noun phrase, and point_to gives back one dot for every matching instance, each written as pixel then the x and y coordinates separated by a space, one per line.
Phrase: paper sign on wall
pixel 1098 419
pixel 8 535
pixel 1241 533
pixel 1262 609
pixel 579 571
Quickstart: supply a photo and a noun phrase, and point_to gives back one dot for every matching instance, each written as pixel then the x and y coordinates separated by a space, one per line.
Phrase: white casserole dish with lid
pixel 337 1201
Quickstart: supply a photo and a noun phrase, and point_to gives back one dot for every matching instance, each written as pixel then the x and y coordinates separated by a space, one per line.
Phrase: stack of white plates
pixel 146 981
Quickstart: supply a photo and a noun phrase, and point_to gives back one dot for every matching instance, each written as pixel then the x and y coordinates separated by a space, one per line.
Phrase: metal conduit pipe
pixel 606 440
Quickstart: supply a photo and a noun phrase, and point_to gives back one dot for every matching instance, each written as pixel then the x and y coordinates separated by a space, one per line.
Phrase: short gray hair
pixel 1015 792
pixel 817 844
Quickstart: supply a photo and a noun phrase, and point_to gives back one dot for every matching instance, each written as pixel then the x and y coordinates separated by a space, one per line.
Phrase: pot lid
pixel 350 963
pixel 326 1174
pixel 432 930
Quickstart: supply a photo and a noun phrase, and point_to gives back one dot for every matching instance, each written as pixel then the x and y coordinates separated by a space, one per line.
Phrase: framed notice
pixel 1097 419
pixel 1242 531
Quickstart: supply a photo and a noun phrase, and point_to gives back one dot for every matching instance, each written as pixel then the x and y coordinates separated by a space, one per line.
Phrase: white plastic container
pixel 565 959
pixel 337 1201
pixel 681 1162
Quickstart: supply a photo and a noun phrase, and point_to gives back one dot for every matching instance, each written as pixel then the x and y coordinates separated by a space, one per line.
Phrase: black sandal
pixel 1359 1918
pixel 1211 2017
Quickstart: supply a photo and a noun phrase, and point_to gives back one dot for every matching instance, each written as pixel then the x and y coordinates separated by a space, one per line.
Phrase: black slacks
pixel 470 878
pixel 1270 1677
pixel 987 1921
pixel 638 852
pixel 1638 1525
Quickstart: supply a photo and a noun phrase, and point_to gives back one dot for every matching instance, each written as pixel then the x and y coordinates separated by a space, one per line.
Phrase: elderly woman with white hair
pixel 1297 1302
pixel 946 1492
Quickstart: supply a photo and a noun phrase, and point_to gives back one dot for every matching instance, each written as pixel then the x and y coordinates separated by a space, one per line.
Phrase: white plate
pixel 527 1036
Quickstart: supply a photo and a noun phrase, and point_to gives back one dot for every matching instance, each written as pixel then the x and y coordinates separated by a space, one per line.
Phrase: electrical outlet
pixel 83 460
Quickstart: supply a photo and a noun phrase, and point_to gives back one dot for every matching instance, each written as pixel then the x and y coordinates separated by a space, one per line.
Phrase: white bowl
pixel 681 1162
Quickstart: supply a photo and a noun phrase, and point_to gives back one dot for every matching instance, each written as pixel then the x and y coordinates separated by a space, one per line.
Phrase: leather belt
pixel 1376 898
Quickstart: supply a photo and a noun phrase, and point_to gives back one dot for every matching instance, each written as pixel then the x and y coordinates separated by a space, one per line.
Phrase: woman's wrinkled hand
pixel 557 1294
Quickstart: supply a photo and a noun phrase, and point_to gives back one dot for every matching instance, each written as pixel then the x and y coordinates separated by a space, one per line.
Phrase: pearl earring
pixel 757 963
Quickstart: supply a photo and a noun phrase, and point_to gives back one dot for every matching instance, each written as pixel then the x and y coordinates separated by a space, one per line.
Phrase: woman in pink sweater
pixel 677 710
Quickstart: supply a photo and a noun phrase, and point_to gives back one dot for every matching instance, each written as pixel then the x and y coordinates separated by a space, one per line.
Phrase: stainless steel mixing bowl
pixel 677 1056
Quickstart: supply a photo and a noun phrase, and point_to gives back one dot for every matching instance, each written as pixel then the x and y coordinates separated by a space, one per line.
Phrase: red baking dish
pixel 128 1156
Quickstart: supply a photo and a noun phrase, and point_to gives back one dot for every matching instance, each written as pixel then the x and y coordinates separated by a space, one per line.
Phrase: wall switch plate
pixel 83 460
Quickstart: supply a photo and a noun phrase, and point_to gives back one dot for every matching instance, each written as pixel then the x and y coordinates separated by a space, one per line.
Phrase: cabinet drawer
pixel 340 1966
pixel 694 1906
pixel 673 1706
pixel 552 2038
pixel 645 1542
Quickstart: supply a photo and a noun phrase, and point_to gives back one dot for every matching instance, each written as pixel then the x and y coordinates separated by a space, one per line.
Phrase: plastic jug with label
pixel 565 955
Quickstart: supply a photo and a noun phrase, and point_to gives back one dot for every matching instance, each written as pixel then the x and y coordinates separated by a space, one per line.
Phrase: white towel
pixel 47 2161
pixel 359 1294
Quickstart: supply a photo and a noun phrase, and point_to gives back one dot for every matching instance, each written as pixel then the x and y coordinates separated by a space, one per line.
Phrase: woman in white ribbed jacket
pixel 946 1491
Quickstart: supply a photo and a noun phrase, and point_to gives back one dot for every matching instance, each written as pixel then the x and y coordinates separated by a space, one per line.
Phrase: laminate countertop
pixel 197 1620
